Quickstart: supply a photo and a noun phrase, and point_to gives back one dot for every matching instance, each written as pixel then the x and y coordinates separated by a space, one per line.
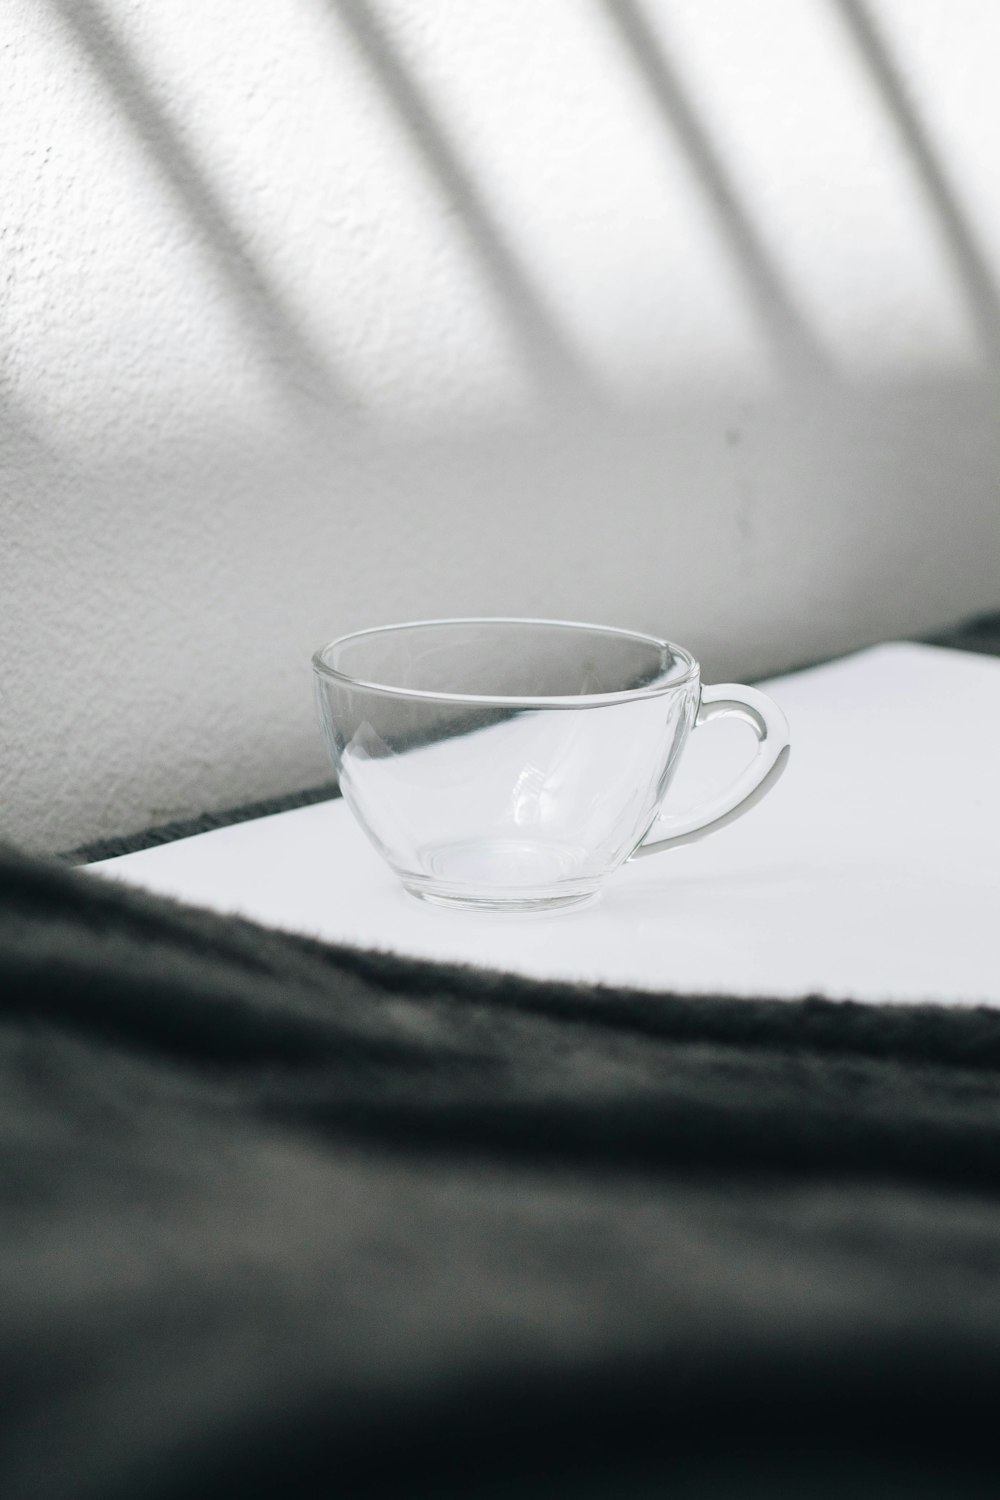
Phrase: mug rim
pixel 688 673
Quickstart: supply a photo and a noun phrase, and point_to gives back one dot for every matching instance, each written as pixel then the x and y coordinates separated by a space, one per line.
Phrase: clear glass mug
pixel 513 765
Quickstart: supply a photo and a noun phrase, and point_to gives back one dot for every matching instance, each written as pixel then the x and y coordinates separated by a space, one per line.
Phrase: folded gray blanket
pixel 281 1218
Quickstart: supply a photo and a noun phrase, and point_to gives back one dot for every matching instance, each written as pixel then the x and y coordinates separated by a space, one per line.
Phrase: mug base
pixel 492 902
pixel 502 874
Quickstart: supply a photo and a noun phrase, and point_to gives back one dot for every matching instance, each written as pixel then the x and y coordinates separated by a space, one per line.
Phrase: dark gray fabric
pixel 281 1218
pixel 981 634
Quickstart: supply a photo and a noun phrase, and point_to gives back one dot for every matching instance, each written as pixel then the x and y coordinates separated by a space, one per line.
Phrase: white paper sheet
pixel 872 872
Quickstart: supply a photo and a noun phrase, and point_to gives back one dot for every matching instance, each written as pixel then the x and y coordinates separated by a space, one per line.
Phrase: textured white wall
pixel 318 313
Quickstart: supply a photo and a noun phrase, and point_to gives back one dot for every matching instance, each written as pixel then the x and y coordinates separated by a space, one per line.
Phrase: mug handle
pixel 771 728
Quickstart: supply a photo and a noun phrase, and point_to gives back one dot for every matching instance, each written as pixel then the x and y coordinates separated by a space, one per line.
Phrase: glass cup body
pixel 504 764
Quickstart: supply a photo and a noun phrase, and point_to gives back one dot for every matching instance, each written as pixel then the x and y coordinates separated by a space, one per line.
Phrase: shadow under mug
pixel 513 765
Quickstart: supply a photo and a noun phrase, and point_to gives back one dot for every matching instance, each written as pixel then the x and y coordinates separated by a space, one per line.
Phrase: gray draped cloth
pixel 286 1219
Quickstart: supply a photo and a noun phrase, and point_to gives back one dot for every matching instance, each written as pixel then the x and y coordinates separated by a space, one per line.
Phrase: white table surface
pixel 872 871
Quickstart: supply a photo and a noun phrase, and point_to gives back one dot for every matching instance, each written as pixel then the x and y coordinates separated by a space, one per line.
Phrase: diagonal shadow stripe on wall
pixel 547 346
pixel 790 336
pixel 972 266
pixel 276 327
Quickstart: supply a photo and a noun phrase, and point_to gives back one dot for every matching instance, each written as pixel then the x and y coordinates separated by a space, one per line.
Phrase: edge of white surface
pixel 279 870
